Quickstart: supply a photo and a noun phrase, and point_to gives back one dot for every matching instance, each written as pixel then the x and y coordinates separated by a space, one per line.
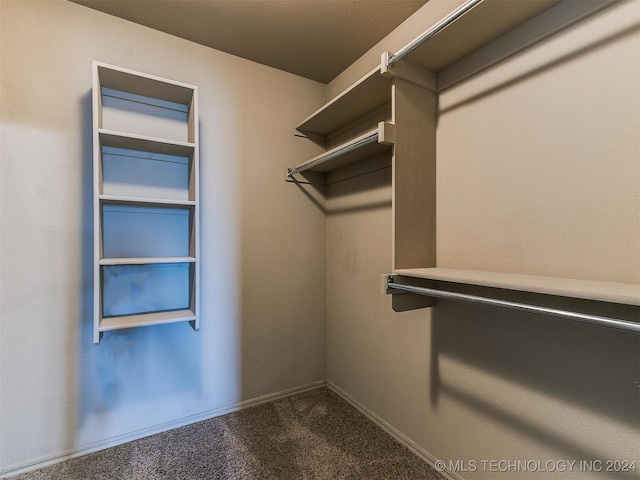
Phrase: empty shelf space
pixel 370 92
pixel 627 294
pixel 145 143
pixel 146 319
pixel 145 260
pixel 374 142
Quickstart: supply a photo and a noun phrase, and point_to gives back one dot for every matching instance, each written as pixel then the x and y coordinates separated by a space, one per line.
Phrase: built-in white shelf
pixel 145 143
pixel 138 83
pixel 117 199
pixel 145 260
pixel 372 143
pixel 146 319
pixel 628 294
pixel 364 96
pixel 146 190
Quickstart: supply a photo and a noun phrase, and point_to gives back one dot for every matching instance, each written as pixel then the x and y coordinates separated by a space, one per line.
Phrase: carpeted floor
pixel 313 435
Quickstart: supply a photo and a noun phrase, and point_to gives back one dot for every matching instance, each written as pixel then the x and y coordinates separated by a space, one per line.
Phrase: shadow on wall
pixel 593 369
pixel 571 14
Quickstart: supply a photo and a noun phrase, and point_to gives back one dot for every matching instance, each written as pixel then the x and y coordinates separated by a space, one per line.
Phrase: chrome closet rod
pixel 567 315
pixel 353 146
pixel 437 28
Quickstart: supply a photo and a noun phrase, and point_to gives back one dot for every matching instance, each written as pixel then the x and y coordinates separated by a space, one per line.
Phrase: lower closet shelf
pixel 145 319
pixel 628 294
pixel 604 304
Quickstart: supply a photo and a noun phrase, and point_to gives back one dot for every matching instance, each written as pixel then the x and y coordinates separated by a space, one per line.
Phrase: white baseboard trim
pixel 391 430
pixel 145 432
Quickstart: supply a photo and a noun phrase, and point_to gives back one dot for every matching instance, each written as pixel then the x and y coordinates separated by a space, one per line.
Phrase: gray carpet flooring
pixel 313 435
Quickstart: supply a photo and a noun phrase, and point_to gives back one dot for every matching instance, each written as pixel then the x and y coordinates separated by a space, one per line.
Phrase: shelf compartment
pixel 374 142
pixel 146 319
pixel 144 104
pixel 136 173
pixel 626 294
pixel 139 230
pixel 145 288
pixel 367 94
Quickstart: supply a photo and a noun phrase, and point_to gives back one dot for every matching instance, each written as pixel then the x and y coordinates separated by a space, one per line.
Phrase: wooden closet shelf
pixel 628 294
pixel 145 319
pixel 369 144
pixel 362 97
pixel 130 141
pixel 145 260
pixel 143 201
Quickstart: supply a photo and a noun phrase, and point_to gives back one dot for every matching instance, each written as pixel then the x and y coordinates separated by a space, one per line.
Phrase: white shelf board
pixel 131 141
pixel 145 319
pixel 628 294
pixel 118 199
pixel 140 83
pixel 145 260
pixel 344 155
pixel 481 25
pixel 365 95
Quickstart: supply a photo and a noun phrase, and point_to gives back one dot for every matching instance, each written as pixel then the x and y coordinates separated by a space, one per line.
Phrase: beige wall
pixel 538 173
pixel 262 242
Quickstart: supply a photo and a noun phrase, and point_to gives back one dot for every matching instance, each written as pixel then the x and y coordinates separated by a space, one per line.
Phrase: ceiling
pixel 316 39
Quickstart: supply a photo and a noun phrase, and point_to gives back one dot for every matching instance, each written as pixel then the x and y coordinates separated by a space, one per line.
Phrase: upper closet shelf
pixel 627 294
pixel 371 91
pixel 473 25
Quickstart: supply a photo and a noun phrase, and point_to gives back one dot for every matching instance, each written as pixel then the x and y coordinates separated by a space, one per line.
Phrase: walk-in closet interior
pixel 445 233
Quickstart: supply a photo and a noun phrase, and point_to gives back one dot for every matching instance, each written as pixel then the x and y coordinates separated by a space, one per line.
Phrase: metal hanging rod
pixel 437 28
pixel 336 153
pixel 523 307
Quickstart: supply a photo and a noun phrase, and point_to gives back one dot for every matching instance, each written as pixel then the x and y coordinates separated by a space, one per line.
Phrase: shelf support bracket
pixel 408 71
pixel 402 301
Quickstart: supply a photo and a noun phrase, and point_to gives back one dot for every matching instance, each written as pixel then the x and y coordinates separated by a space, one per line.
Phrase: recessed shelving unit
pixel 402 94
pixel 146 189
